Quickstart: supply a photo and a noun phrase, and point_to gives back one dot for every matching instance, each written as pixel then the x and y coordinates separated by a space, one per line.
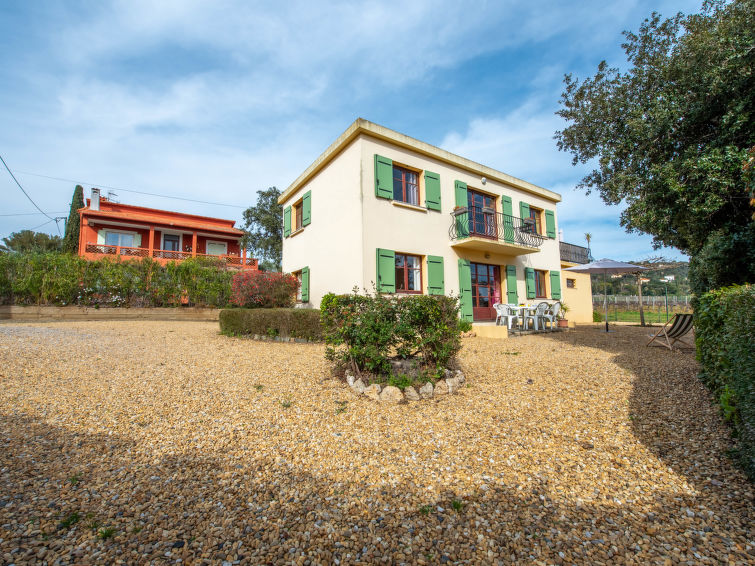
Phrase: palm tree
pixel 588 237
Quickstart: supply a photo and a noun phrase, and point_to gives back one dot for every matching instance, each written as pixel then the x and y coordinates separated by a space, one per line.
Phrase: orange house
pixel 112 229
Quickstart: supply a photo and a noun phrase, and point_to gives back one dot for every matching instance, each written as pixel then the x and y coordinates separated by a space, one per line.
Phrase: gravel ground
pixel 158 442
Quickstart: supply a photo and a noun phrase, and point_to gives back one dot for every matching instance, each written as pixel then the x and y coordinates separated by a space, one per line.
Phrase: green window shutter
pixel 436 284
pixel 305 284
pixel 508 220
pixel 287 222
pixel 383 177
pixel 465 289
pixel 462 220
pixel 529 277
pixel 524 210
pixel 306 209
pixel 555 285
pixel 432 190
pixel 386 271
pixel 550 223
pixel 511 295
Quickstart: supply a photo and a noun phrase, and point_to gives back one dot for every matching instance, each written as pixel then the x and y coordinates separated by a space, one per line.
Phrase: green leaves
pixel 264 232
pixel 671 133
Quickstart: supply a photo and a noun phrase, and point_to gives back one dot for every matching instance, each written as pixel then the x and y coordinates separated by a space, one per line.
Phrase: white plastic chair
pixel 551 315
pixel 504 313
pixel 537 316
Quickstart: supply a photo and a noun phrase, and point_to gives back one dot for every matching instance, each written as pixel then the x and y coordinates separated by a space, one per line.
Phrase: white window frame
pixel 121 232
pixel 172 233
pixel 224 244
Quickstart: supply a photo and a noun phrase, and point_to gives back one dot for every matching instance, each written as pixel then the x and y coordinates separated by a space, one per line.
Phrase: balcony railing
pixel 486 223
pixel 574 254
pixel 230 260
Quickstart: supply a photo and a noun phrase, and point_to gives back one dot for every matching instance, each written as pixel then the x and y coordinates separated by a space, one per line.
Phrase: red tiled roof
pixel 174 221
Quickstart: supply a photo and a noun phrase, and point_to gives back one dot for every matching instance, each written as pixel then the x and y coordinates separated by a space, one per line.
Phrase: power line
pixel 29 213
pixel 127 190
pixel 22 189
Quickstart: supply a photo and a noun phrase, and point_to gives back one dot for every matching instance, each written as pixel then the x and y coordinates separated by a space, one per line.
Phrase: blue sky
pixel 214 100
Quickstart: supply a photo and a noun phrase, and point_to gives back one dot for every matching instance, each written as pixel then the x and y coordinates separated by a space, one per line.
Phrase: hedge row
pixel 66 279
pixel 724 335
pixel 286 323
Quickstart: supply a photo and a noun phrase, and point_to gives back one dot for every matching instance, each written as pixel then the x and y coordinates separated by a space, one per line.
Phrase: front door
pixel 486 290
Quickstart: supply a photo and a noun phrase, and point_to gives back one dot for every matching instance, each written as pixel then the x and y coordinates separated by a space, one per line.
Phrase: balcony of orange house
pixel 110 229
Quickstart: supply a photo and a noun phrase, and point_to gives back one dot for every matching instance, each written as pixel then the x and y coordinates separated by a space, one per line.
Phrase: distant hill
pixel 657 269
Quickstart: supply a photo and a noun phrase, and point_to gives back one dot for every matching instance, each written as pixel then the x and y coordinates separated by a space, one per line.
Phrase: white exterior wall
pixel 349 223
pixel 394 227
pixel 331 246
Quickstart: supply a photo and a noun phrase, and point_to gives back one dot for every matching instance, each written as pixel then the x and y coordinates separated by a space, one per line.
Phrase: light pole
pixel 665 282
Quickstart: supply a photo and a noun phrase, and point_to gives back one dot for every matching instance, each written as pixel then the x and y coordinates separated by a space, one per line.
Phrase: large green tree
pixel 71 237
pixel 668 136
pixel 27 241
pixel 264 230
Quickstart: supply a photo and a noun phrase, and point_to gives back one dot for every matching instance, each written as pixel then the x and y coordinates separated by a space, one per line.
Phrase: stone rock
pixel 373 391
pixel 358 386
pixel 447 372
pixel 391 394
pixel 460 376
pixel 411 394
pixel 441 388
pixel 408 367
pixel 350 379
pixel 453 384
pixel 426 391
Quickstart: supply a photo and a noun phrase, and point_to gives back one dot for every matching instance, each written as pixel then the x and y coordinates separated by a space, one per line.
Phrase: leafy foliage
pixel 27 241
pixel 728 257
pixel 263 289
pixel 670 135
pixel 366 330
pixel 288 323
pixel 264 229
pixel 64 279
pixel 71 237
pixel 724 335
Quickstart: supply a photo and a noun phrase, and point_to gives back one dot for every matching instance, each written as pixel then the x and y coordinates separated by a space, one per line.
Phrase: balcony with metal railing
pixel 95 251
pixel 572 253
pixel 484 229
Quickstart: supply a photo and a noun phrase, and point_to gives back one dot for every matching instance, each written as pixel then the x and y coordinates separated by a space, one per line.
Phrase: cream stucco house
pixel 378 207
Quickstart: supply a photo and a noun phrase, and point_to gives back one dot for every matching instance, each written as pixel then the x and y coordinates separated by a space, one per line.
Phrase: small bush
pixel 597 316
pixel 724 336
pixel 365 331
pixel 288 323
pixel 262 289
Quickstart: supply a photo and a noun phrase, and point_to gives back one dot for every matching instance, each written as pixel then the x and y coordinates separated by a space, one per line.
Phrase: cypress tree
pixel 71 238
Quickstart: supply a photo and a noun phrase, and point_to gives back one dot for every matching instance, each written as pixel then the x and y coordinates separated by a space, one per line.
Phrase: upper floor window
pixel 298 208
pixel 408 273
pixel 122 239
pixel 405 185
pixel 536 216
pixel 540 290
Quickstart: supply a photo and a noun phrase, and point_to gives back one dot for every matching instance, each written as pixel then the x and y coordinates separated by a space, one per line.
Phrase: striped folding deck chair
pixel 681 324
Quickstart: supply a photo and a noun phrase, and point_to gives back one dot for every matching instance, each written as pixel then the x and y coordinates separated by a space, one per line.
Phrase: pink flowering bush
pixel 263 289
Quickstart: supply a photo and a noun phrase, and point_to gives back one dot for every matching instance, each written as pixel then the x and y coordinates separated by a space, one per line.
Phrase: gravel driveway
pixel 164 442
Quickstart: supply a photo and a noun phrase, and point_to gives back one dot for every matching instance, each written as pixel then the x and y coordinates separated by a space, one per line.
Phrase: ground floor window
pixel 540 290
pixel 571 283
pixel 408 273
pixel 298 275
pixel 486 290
pixel 171 242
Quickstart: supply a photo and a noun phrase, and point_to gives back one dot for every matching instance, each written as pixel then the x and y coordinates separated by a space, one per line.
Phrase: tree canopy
pixel 669 136
pixel 264 229
pixel 71 237
pixel 27 241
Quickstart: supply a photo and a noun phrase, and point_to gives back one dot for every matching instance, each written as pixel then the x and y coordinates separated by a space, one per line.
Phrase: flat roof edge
pixel 362 126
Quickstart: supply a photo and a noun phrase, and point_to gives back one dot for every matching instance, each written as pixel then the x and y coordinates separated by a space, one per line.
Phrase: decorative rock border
pixel 391 394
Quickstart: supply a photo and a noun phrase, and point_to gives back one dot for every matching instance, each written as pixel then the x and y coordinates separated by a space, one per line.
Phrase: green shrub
pixel 263 289
pixel 66 279
pixel 288 323
pixel 724 336
pixel 365 331
pixel 597 316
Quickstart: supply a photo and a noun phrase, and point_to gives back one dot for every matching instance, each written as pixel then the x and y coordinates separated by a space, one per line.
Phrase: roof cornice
pixel 360 126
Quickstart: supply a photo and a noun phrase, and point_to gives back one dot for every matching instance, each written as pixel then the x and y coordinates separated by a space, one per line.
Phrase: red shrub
pixel 263 289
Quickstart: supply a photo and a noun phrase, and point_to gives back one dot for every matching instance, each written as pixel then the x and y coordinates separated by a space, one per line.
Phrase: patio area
pixel 165 441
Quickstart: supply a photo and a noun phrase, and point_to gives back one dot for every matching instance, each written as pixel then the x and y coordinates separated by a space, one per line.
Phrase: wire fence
pixel 626 308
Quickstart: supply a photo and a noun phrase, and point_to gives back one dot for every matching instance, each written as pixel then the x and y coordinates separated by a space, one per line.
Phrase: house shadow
pixel 59 489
